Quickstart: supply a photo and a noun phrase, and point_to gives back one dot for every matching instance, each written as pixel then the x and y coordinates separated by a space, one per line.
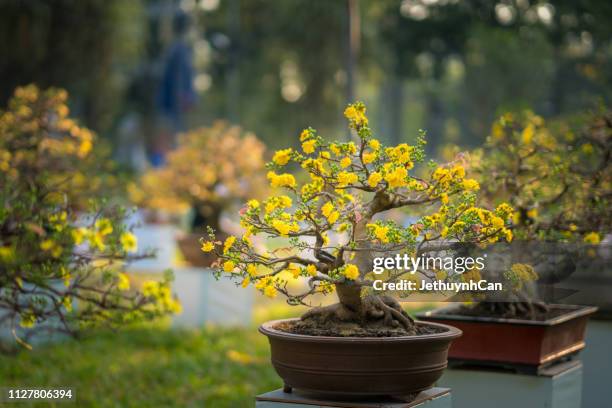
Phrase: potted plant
pixel 61 268
pixel 558 181
pixel 210 169
pixel 332 227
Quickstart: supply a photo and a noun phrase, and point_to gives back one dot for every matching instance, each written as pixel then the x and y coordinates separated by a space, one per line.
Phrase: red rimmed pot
pixel 359 366
pixel 515 342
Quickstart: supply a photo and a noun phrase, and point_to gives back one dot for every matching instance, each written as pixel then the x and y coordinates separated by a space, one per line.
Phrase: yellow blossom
pixel 356 114
pixel 311 270
pixel 497 222
pixel 294 270
pixel 470 185
pixel 228 243
pixel 369 158
pixel 327 209
pixel 374 179
pixel 345 162
pixel 270 291
pixel 282 157
pixel 284 228
pixel 397 177
pixel 253 204
pixel 592 238
pixel 333 217
pixel 380 232
pixel 104 226
pixel 304 135
pixel 374 144
pixel 208 246
pixel 351 271
pixel 252 270
pixel 129 242
pixel 78 235
pixel 345 178
pixel 309 146
pixel 123 282
pixel 527 135
pixel 281 180
pixel 228 266
pixel 458 171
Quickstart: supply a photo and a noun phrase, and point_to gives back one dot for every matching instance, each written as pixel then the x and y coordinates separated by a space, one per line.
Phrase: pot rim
pixel 573 312
pixel 451 333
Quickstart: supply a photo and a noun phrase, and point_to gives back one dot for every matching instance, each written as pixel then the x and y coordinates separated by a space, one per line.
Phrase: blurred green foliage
pixel 272 66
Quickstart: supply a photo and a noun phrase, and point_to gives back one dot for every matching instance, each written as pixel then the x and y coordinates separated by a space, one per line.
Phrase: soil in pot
pixel 333 328
pixel 508 310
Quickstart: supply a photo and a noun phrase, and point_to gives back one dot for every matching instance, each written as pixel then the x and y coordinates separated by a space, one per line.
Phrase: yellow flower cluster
pixel 519 274
pixel 161 293
pixel 397 177
pixel 284 228
pixel 266 285
pixel 491 224
pixel 330 212
pixel 227 245
pixel 281 180
pixel 345 178
pixel 401 154
pixel 128 241
pixel 275 202
pixel 592 238
pixel 208 246
pixel 374 179
pixel 282 157
pixel 355 113
pixel 309 146
pixel 380 232
pixel 351 271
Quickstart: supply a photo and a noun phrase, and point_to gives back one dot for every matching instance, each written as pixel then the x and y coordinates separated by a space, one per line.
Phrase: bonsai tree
pixel 61 269
pixel 331 225
pixel 210 169
pixel 559 182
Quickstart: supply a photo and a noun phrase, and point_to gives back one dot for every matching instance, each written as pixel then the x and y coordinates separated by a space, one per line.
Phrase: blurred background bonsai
pixel 61 249
pixel 558 178
pixel 210 169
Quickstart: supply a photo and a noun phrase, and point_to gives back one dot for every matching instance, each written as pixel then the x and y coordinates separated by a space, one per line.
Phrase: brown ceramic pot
pixel 515 342
pixel 359 366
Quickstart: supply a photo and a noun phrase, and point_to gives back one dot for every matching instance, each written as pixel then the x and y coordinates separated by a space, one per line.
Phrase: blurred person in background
pixel 176 93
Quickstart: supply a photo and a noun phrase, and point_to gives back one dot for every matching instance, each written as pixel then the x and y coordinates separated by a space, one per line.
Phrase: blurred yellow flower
pixel 592 238
pixel 228 266
pixel 129 242
pixel 123 282
pixel 208 246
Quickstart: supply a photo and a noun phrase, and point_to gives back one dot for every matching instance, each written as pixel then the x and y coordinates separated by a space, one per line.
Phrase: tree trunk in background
pixel 395 102
pixel 434 122
pixel 352 50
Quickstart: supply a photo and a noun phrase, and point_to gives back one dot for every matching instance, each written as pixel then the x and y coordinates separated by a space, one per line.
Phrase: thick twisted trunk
pixel 379 311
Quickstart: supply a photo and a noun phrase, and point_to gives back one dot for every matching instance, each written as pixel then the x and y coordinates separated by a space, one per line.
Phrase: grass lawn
pixel 154 366
pixel 150 367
